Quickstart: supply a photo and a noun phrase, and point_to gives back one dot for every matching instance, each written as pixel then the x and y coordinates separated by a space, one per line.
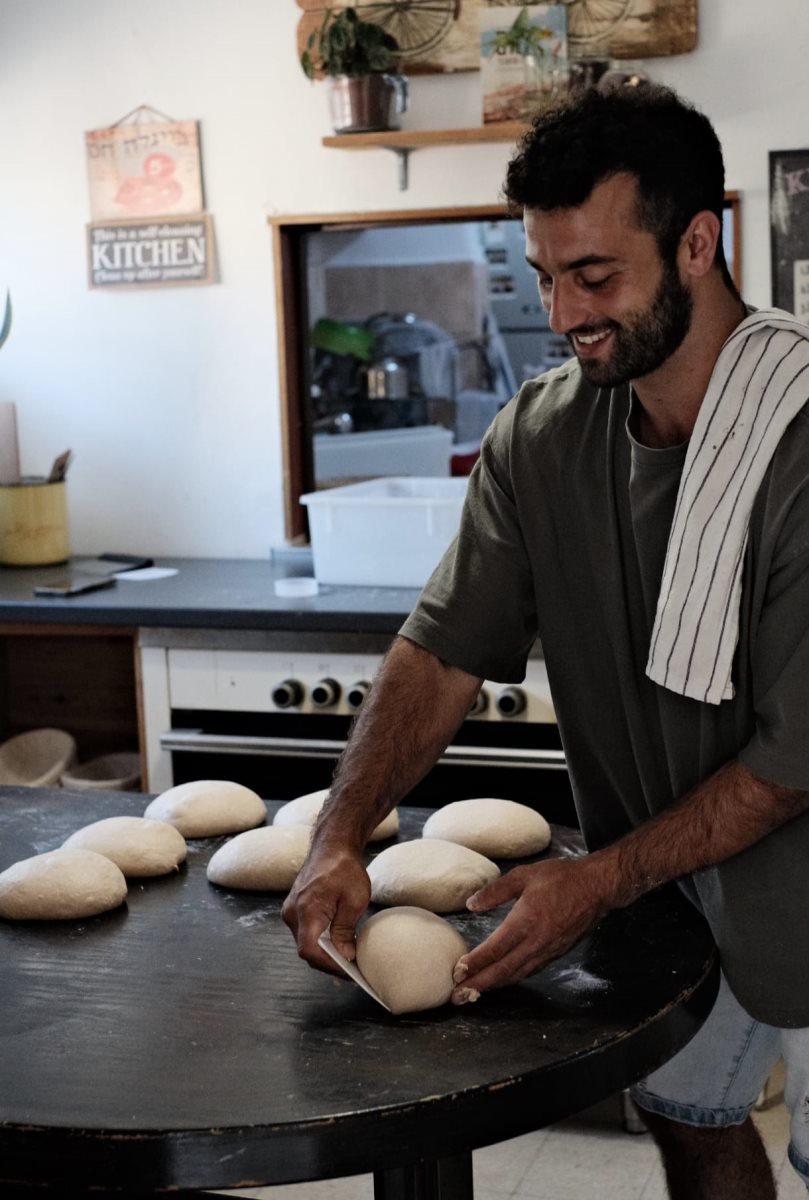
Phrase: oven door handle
pixel 198 742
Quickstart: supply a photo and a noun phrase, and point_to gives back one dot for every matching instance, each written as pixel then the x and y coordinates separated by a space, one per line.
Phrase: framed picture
pixel 789 230
pixel 144 169
pixel 437 36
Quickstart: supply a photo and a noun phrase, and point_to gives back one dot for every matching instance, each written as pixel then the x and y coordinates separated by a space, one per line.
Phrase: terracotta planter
pixel 367 104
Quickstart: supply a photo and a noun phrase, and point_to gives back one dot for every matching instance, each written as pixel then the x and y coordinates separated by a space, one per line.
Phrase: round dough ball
pixel 432 874
pixel 304 810
pixel 60 885
pixel 497 828
pixel 261 860
pixel 407 955
pixel 207 808
pixel 138 846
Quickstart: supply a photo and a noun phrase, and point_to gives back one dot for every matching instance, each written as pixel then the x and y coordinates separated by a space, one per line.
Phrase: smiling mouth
pixel 591 339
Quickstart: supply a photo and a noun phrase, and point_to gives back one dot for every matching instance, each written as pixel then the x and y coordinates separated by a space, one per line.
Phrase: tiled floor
pixel 588 1157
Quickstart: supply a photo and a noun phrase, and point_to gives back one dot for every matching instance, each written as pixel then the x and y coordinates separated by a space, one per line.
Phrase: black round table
pixel 180 1043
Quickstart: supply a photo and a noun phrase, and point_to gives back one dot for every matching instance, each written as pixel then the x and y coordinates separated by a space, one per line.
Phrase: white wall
pixel 169 397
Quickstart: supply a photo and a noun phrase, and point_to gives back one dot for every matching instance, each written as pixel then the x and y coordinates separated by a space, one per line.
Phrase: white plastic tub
pixel 387 532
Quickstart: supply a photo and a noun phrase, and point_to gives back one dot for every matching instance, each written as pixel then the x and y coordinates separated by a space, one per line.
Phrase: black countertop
pixel 179 1041
pixel 206 593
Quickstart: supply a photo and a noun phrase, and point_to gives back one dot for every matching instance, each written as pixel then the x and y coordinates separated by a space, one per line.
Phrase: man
pixel 683 722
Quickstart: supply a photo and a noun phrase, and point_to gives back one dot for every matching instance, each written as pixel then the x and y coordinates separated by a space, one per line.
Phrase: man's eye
pixel 545 282
pixel 594 284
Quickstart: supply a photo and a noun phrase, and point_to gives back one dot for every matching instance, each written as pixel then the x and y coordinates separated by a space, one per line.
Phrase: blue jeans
pixel 716 1079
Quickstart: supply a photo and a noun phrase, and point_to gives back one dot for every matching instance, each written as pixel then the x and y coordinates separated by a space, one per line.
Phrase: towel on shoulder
pixel 759 384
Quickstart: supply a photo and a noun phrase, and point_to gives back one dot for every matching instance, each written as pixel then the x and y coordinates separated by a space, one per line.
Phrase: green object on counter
pixel 340 338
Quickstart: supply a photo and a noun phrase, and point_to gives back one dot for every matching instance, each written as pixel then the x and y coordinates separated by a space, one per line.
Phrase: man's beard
pixel 648 338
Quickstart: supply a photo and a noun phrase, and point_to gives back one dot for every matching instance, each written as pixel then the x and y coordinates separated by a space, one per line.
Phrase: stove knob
pixel 325 693
pixel 510 701
pixel 357 693
pixel 288 694
pixel 481 704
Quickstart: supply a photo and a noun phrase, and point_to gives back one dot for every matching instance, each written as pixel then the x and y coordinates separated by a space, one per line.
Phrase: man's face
pixel 605 286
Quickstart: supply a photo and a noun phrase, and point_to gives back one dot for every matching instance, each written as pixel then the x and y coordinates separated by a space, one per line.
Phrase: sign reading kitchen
pixel 150 252
pixel 147 226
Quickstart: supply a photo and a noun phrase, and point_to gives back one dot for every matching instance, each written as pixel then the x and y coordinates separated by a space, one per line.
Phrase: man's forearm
pixel 725 814
pixel 413 709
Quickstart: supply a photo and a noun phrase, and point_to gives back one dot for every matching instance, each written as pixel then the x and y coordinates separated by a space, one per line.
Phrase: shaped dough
pixel 407 955
pixel 60 886
pixel 497 828
pixel 304 810
pixel 432 874
pixel 207 808
pixel 261 860
pixel 138 846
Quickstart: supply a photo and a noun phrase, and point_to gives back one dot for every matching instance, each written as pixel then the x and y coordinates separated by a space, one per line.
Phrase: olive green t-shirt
pixel 563 537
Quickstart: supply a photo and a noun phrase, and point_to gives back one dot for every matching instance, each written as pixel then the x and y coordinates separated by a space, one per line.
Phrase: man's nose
pixel 566 310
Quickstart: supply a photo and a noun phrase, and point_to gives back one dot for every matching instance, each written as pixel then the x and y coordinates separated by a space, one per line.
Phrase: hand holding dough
pixel 208 808
pixel 304 810
pixel 430 873
pixel 60 885
pixel 140 847
pixel 407 956
pixel 261 860
pixel 496 828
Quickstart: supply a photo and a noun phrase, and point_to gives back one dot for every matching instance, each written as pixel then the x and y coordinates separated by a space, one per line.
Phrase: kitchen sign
pixel 151 252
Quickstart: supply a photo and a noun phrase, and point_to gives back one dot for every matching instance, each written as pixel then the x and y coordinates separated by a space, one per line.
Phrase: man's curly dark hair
pixel 647 131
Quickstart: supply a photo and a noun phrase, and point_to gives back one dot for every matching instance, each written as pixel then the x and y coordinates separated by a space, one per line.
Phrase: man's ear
pixel 697 249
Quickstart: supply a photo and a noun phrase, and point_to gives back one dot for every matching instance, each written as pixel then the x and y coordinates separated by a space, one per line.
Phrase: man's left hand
pixel 557 903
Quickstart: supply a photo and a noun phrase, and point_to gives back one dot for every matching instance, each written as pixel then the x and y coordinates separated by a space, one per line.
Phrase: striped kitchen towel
pixel 759 384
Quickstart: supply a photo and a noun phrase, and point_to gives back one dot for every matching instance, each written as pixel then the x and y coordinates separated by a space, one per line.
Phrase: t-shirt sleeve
pixel 779 749
pixel 477 611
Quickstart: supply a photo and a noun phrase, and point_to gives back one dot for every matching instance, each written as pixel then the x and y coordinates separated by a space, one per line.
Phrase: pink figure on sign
pixel 154 191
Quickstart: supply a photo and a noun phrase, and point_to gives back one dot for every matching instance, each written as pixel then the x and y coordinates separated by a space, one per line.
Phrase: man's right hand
pixel 332 889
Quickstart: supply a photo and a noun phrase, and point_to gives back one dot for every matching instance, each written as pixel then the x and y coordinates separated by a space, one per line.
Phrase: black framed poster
pixel 789 230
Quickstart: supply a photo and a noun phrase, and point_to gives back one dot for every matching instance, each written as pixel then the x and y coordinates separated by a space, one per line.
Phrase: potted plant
pixel 358 58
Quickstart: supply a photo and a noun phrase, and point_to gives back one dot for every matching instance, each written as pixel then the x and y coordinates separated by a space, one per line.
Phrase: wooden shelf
pixel 416 139
pixel 403 141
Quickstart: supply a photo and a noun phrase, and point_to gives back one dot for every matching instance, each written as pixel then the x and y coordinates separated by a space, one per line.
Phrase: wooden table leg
pixel 431 1179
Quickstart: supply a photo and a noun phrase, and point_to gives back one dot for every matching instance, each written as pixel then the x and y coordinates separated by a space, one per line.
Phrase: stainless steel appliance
pixel 276 719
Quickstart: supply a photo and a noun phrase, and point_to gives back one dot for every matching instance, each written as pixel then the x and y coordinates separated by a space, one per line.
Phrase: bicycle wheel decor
pixel 438 36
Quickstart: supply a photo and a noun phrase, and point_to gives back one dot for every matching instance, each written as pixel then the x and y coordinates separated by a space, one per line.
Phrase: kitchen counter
pixel 209 593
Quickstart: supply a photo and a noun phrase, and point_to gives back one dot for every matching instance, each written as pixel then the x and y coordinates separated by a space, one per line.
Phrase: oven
pixel 273 712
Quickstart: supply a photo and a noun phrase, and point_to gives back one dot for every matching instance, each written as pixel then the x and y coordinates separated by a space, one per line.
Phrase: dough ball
pixel 407 955
pixel 304 810
pixel 497 828
pixel 261 860
pixel 138 846
pixel 208 807
pixel 60 885
pixel 429 873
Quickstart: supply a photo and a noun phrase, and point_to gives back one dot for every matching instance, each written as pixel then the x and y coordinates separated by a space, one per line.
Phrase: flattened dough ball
pixel 261 860
pixel 430 873
pixel 207 808
pixel 138 846
pixel 60 885
pixel 497 828
pixel 304 810
pixel 407 955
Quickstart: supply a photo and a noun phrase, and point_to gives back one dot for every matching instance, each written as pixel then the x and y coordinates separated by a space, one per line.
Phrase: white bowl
pixel 36 758
pixel 109 773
